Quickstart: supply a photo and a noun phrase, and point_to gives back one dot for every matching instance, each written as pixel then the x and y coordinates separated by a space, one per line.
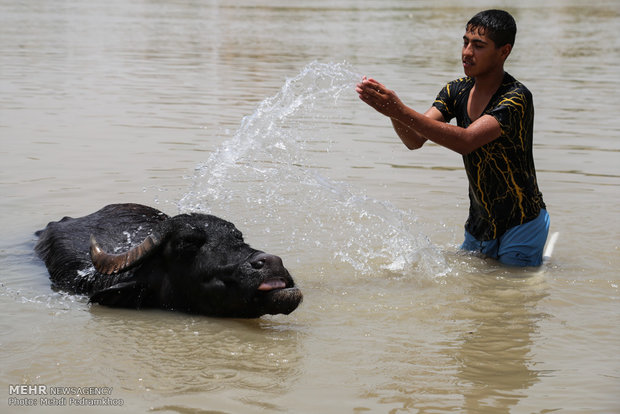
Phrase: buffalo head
pixel 191 262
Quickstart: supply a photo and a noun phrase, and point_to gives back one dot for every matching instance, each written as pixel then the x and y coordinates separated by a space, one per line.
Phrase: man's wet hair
pixel 498 25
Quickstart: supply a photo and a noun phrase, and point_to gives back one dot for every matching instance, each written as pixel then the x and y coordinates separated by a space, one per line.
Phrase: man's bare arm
pixel 462 140
pixel 410 137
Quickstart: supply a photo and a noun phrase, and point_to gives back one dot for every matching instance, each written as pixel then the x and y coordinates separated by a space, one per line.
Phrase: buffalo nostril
pixel 258 264
pixel 264 259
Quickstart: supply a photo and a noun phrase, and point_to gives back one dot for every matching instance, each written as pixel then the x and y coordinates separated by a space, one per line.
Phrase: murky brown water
pixel 246 109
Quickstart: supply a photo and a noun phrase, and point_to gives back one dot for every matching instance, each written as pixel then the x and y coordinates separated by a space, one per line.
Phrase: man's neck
pixel 488 84
pixel 483 90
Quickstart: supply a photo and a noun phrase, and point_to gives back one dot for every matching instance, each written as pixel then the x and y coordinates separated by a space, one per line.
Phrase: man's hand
pixel 379 97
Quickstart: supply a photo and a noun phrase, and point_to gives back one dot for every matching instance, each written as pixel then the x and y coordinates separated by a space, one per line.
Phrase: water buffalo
pixel 134 256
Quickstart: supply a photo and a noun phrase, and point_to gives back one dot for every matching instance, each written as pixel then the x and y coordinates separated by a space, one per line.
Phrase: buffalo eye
pixel 214 284
pixel 188 244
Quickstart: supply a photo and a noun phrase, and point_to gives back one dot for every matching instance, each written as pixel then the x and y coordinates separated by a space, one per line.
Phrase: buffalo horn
pixel 108 264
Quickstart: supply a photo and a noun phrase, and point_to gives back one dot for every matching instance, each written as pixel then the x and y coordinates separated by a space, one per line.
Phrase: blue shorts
pixel 521 245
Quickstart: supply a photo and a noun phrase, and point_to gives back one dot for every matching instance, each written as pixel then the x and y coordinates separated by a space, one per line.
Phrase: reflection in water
pixel 462 347
pixel 494 353
pixel 171 353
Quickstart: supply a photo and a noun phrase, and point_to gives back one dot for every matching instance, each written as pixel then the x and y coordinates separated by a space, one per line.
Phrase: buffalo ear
pixel 122 295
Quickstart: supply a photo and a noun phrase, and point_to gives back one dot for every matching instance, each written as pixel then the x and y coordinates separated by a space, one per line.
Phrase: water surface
pixel 247 110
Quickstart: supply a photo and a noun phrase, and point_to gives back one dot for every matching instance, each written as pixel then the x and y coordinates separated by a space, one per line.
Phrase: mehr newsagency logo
pixel 21 395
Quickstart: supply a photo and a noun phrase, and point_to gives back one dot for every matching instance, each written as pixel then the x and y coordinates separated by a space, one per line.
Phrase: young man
pixel 495 116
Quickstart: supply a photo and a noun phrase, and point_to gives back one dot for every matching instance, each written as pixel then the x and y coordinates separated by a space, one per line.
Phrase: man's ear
pixel 122 295
pixel 505 50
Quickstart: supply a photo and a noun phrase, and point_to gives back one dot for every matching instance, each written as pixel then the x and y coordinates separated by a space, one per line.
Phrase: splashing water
pixel 263 174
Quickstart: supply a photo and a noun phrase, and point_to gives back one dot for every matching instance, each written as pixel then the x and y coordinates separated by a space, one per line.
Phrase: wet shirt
pixel 503 191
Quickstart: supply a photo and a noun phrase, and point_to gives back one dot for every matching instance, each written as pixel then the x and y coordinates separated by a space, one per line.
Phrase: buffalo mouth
pixel 272 284
pixel 280 296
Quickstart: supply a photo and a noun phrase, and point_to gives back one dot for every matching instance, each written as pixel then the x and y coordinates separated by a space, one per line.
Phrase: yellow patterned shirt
pixel 503 190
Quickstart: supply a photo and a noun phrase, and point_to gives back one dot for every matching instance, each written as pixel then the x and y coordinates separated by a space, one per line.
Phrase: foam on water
pixel 265 177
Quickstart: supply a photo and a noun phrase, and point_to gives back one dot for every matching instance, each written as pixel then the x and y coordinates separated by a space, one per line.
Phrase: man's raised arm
pixel 462 140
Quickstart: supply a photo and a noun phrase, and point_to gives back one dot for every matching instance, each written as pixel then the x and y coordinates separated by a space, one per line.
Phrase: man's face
pixel 479 54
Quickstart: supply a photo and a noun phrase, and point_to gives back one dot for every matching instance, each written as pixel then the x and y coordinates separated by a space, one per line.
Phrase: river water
pixel 246 109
